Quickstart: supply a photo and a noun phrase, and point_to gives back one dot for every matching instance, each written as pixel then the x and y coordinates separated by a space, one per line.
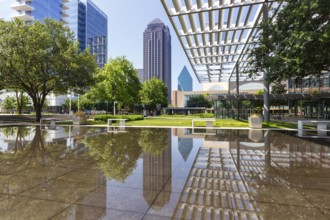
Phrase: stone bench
pixel 122 122
pixel 321 127
pixel 51 120
pixel 209 121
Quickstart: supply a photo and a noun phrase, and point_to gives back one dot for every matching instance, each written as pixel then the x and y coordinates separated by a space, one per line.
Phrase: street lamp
pixel 114 107
pixel 78 103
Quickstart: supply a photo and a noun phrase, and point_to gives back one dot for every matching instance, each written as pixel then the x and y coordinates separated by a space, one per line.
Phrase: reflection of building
pixel 157 53
pixel 185 146
pixel 157 172
pixel 90 26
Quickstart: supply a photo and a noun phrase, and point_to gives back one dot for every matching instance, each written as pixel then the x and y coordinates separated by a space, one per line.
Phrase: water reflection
pixel 79 172
pixel 116 154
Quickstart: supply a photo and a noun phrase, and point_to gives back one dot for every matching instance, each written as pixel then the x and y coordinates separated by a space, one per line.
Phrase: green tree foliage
pixel 9 103
pixel 22 101
pixel 278 88
pixel 199 101
pixel 118 81
pixel 295 44
pixel 153 93
pixel 42 58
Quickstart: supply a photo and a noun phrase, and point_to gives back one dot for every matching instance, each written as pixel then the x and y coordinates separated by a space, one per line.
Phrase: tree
pixel 278 88
pixel 294 45
pixel 22 101
pixel 118 81
pixel 42 58
pixel 9 103
pixel 153 93
pixel 199 101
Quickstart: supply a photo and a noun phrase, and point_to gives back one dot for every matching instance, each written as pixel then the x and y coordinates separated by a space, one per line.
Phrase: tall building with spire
pixel 157 53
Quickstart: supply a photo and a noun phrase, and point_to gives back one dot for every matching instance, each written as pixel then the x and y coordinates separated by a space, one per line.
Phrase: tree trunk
pixel 38 109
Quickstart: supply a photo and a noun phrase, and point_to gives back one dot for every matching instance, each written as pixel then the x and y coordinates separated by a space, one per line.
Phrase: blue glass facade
pixel 47 8
pixel 90 26
pixel 28 10
pixel 185 81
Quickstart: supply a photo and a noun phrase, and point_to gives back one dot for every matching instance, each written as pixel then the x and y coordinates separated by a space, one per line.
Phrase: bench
pixel 209 121
pixel 51 120
pixel 321 126
pixel 121 121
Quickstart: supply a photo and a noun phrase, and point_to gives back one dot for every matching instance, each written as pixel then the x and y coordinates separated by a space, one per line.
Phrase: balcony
pixel 64 14
pixel 22 6
pixel 65 1
pixel 65 7
pixel 23 15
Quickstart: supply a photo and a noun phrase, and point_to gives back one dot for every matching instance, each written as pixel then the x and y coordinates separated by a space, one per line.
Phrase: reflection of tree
pixel 153 140
pixel 20 133
pixel 116 153
pixel 34 153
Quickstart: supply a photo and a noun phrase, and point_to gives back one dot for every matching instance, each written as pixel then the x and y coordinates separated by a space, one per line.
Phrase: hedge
pixel 128 117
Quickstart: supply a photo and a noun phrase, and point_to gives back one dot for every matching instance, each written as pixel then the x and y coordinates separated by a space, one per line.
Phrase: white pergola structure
pixel 217 36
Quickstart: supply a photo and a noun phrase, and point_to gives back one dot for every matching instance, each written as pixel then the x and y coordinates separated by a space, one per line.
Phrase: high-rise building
pixel 140 73
pixel 29 10
pixel 185 81
pixel 157 53
pixel 90 26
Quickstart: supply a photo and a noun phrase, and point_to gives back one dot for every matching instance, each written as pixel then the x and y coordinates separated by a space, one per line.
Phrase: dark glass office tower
pixel 157 53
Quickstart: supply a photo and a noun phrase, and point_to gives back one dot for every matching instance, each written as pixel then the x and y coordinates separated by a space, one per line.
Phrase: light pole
pixel 78 103
pixel 114 107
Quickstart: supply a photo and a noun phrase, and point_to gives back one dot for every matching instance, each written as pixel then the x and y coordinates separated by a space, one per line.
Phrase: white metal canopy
pixel 217 36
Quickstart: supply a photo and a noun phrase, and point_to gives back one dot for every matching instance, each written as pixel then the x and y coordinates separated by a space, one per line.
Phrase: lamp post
pixel 114 107
pixel 78 103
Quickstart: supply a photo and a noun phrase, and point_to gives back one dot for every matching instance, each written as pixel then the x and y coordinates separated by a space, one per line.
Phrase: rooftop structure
pixel 218 35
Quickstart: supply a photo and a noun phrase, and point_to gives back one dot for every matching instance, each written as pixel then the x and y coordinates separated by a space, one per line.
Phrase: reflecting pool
pixel 156 173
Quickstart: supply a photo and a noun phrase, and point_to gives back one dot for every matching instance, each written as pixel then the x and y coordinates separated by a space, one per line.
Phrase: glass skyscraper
pixel 157 53
pixel 90 26
pixel 185 80
pixel 29 10
pixel 85 19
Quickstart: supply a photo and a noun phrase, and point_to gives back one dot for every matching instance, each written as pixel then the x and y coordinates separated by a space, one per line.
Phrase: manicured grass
pixel 186 122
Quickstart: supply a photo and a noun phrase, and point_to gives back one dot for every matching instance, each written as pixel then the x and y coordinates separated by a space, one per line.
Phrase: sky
pixel 127 21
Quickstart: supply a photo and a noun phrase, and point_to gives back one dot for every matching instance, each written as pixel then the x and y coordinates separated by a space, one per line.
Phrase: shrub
pixel 79 114
pixel 205 115
pixel 128 117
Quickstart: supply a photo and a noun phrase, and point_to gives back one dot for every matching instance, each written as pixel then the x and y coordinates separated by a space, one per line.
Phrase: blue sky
pixel 127 21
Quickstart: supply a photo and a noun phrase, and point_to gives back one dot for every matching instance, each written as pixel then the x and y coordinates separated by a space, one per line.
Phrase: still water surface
pixel 148 173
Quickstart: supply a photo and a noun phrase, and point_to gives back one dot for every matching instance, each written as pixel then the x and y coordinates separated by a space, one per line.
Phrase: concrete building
pixel 157 53
pixel 140 73
pixel 90 26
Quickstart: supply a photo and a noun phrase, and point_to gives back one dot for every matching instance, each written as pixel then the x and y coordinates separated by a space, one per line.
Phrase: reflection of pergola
pixel 218 36
pixel 233 183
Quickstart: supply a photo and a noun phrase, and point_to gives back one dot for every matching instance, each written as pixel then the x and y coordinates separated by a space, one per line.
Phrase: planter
pixel 79 120
pixel 255 121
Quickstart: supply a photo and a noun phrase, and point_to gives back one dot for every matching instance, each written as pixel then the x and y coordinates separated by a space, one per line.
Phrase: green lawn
pixel 186 122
